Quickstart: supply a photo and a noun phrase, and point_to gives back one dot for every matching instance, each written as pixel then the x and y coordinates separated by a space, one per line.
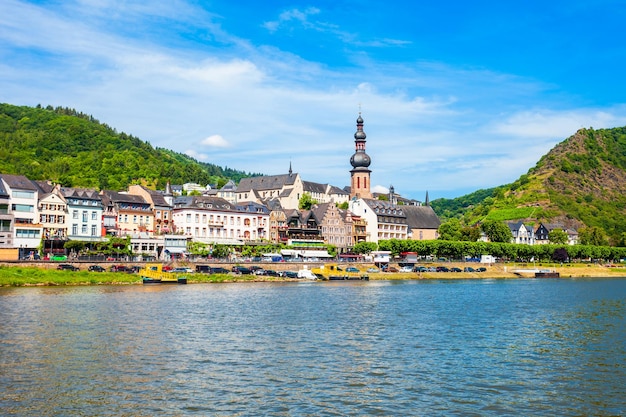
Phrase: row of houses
pixel 537 235
pixel 39 217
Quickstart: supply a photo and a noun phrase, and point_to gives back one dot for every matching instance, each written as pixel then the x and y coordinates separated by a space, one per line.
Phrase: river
pixel 380 348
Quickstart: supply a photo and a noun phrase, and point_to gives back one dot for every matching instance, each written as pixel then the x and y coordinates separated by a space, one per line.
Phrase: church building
pixel 386 219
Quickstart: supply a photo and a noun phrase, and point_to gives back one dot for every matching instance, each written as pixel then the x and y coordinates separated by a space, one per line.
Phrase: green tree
pixel 306 202
pixel 594 236
pixel 497 231
pixel 364 248
pixel 557 236
pixel 344 206
pixel 220 251
pixel 450 230
pixel 470 234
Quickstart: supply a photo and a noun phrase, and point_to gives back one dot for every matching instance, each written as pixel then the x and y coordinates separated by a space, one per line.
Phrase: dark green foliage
pixel 582 180
pixel 456 207
pixel 364 248
pixel 506 251
pixel 497 231
pixel 560 255
pixel 74 149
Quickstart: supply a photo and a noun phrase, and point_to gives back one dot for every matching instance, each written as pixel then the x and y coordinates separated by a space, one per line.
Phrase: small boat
pixel 154 274
pixel 547 274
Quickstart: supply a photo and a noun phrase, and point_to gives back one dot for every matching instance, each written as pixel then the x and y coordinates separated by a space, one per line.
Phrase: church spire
pixel 360 161
pixel 290 171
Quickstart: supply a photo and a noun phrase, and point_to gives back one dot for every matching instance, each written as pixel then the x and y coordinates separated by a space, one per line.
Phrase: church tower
pixel 360 161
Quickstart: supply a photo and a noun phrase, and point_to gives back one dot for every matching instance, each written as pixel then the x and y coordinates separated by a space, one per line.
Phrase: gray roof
pixel 3 191
pixel 202 201
pixel 338 191
pixel 272 182
pixel 118 197
pixel 319 210
pixel 252 207
pixel 19 182
pixel 82 193
pixel 229 186
pixel 313 187
pixel 421 217
pixel 385 208
pixel 45 187
pixel 158 197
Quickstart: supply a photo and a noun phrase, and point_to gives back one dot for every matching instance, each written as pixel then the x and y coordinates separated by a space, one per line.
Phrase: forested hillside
pixel 580 183
pixel 76 150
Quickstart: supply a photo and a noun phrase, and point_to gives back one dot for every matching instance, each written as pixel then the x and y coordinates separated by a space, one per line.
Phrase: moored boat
pixel 154 274
pixel 547 274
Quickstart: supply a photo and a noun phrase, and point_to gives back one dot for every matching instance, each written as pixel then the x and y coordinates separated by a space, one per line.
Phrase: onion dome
pixel 360 160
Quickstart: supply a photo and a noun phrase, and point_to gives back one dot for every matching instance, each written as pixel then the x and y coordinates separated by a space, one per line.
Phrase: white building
pixel 384 220
pixel 215 220
pixel 23 199
pixel 85 210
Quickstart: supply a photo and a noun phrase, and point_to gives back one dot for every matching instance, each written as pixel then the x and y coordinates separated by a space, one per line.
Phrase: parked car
pixel 387 268
pixel 182 270
pixel 469 269
pixel 420 269
pixel 352 269
pixel 96 268
pixel 481 269
pixel 442 269
pixel 218 270
pixel 67 267
pixel 406 269
pixel 289 274
pixel 372 270
pixel 119 268
pixel 455 269
pixel 241 270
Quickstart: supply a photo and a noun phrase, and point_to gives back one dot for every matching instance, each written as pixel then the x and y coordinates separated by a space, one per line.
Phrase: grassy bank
pixel 17 276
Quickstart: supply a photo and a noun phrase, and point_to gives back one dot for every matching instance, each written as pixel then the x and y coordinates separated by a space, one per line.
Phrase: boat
pixel 307 274
pixel 154 274
pixel 332 272
pixel 546 273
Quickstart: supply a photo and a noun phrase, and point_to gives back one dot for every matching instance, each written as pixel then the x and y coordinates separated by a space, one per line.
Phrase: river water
pixel 381 348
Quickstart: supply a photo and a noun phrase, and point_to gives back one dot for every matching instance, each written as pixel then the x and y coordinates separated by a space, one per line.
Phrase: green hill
pixel 76 150
pixel 581 182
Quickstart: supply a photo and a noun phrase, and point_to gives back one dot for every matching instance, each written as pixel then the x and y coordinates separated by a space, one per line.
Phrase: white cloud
pixel 215 141
pixel 430 125
pixel 301 16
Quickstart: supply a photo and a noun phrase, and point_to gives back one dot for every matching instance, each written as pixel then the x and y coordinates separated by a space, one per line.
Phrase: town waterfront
pixel 378 348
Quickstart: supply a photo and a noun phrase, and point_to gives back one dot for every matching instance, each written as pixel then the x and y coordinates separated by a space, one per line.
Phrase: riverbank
pixel 18 276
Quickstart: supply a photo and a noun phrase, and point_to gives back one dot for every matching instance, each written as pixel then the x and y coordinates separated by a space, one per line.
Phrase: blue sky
pixel 456 95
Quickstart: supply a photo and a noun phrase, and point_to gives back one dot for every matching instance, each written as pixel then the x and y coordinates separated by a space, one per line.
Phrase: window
pixel 5 225
pixel 94 215
pixel 75 214
pixel 27 233
pixel 23 194
pixel 74 229
pixel 83 229
pixel 24 208
pixel 94 230
pixel 85 218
